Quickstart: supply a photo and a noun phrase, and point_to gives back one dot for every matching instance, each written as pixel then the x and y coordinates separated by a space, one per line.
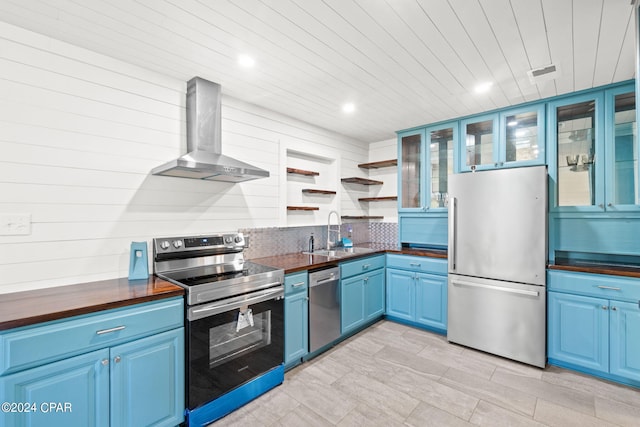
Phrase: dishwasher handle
pixel 324 276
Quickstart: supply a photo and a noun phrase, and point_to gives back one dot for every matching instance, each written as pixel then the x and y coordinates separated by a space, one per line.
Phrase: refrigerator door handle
pixel 496 288
pixel 452 234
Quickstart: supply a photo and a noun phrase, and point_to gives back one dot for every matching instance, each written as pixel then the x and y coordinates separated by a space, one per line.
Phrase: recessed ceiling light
pixel 349 107
pixel 483 87
pixel 246 61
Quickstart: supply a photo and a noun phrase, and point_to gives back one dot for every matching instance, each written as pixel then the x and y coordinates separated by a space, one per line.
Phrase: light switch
pixel 16 224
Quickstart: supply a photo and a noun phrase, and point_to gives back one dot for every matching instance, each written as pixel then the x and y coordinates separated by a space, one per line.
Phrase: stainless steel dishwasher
pixel 324 307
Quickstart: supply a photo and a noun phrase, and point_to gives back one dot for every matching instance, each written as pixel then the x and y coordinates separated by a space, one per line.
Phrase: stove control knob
pixel 165 244
pixel 238 239
pixel 228 239
pixel 177 244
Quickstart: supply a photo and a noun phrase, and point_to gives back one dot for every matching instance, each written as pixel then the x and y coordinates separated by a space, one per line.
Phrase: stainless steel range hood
pixel 204 158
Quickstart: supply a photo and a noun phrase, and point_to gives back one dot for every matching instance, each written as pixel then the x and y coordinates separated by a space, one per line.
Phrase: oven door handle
pixel 196 313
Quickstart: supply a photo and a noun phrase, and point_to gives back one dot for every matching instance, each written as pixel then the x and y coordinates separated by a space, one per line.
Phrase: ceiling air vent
pixel 544 74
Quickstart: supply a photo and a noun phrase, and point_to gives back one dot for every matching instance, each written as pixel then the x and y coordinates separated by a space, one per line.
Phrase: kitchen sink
pixel 340 252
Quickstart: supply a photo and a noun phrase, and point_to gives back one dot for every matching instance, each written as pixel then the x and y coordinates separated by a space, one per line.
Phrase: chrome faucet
pixel 336 229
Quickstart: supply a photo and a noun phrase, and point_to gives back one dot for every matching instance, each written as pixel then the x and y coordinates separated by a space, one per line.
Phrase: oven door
pixel 233 341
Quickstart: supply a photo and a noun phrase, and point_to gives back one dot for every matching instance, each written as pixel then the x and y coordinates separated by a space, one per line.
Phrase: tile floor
pixel 395 375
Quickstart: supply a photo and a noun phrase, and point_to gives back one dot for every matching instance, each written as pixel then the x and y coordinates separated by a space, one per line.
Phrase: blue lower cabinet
pixel 136 378
pixel 595 335
pixel 401 294
pixel 71 392
pixel 625 340
pixel 431 301
pixel 417 298
pixel 362 300
pixel 374 294
pixel 578 330
pixel 296 318
pixel 296 328
pixel 147 381
pixel 352 303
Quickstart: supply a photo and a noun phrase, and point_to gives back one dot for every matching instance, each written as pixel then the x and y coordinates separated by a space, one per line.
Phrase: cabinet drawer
pixel 296 282
pixel 36 345
pixel 351 268
pixel 598 285
pixel 418 263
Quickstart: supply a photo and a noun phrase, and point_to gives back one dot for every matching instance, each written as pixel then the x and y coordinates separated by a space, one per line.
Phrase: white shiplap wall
pixel 79 133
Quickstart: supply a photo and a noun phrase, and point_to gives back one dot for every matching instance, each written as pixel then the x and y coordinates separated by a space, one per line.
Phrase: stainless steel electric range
pixel 234 321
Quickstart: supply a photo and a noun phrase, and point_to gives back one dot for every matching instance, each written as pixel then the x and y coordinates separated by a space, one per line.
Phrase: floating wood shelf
pixel 381 164
pixel 363 181
pixel 302 172
pixel 302 208
pixel 314 191
pixel 361 217
pixel 377 199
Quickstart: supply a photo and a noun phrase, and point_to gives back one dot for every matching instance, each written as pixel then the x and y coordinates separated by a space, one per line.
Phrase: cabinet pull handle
pixel 611 288
pixel 614 308
pixel 297 285
pixel 604 307
pixel 452 234
pixel 108 331
pixel 104 362
pixel 117 359
pixel 366 266
pixel 495 288
pixel 415 264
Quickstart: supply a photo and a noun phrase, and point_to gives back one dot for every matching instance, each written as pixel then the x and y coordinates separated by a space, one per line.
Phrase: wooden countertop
pixel 43 305
pixel 292 263
pixel 598 269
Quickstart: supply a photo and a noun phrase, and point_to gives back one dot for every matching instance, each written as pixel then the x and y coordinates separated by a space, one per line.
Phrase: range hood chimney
pixel 204 158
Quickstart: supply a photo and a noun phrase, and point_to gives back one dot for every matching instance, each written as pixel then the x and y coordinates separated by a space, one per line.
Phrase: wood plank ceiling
pixel 403 63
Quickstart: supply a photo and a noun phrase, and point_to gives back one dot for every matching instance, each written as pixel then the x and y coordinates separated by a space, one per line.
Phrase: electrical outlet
pixel 15 224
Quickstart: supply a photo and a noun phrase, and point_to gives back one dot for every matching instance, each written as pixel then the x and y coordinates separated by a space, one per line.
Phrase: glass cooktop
pixel 214 274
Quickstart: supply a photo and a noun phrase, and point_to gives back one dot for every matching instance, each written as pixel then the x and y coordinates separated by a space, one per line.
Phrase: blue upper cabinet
pixel 587 139
pixel 478 145
pixel 621 150
pixel 509 138
pixel 441 140
pixel 594 162
pixel 522 136
pixel 593 174
pixel 426 159
pixel 576 161
pixel 411 169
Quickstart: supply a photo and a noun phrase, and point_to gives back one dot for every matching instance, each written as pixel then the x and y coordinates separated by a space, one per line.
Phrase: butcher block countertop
pixel 295 262
pixel 598 269
pixel 43 305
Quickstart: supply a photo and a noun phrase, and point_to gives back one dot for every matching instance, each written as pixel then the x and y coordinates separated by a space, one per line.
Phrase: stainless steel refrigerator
pixel 497 262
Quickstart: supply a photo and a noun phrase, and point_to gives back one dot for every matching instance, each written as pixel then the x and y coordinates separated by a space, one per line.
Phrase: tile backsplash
pixel 272 241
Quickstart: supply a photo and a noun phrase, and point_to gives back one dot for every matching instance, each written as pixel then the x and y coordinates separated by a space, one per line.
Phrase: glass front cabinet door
pixel 595 167
pixel 479 138
pixel 440 140
pixel 578 134
pixel 426 161
pixel 507 139
pixel 522 136
pixel 621 149
pixel 411 168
